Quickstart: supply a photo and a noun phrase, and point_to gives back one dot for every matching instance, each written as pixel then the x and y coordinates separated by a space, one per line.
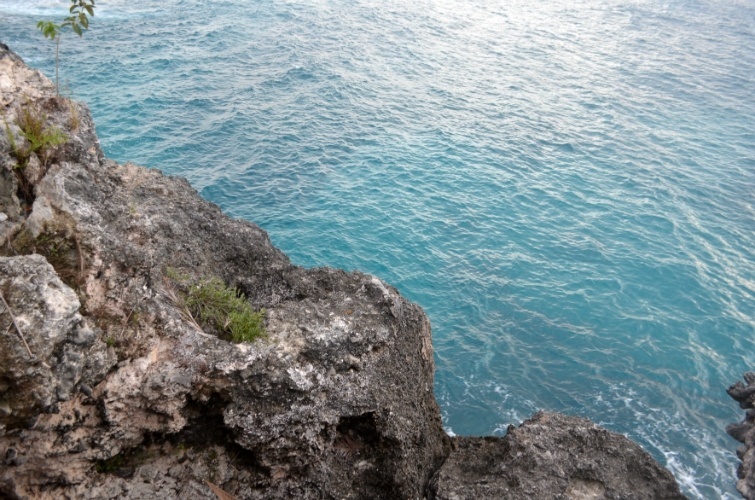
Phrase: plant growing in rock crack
pixel 210 303
pixel 38 137
pixel 125 462
pixel 58 243
pixel 77 21
pixel 74 119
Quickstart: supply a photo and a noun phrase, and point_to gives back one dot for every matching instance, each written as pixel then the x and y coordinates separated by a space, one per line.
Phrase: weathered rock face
pixel 337 399
pixel 744 432
pixel 552 456
pixel 125 396
pixel 65 351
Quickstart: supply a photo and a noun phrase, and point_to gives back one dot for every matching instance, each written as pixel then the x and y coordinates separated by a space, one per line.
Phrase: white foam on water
pixel 58 9
pixel 39 8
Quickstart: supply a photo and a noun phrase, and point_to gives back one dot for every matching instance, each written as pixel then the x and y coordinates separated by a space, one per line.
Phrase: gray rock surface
pixel 744 432
pixel 65 351
pixel 127 397
pixel 552 456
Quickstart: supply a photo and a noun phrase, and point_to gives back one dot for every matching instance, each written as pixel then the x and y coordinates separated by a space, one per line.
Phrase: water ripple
pixel 566 188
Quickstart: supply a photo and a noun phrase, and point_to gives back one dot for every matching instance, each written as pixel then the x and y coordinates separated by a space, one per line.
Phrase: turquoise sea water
pixel 567 188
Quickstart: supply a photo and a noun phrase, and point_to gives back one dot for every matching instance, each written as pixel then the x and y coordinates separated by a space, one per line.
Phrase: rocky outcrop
pixel 744 432
pixel 122 394
pixel 552 456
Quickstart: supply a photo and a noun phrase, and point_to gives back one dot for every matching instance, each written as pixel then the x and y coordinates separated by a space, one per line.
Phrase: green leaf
pixel 72 8
pixel 89 9
pixel 77 29
pixel 48 29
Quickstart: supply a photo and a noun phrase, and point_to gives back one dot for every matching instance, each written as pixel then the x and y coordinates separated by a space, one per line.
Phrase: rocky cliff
pixel 112 385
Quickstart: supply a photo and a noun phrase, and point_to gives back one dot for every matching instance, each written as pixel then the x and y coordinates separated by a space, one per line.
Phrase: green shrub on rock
pixel 39 137
pixel 34 144
pixel 211 303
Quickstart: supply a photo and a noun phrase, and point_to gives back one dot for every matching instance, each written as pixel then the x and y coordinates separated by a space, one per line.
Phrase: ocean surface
pixel 566 188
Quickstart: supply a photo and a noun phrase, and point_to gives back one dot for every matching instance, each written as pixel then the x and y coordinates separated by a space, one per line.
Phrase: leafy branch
pixel 77 21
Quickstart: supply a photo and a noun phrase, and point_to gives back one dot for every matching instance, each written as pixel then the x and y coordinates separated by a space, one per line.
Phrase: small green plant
pixel 58 244
pixel 211 303
pixel 212 464
pixel 134 319
pixel 77 21
pixel 39 137
pixel 109 466
pixel 125 463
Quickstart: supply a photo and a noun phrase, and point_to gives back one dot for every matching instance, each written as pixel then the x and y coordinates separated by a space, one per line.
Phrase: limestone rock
pixel 17 79
pixel 552 456
pixel 63 345
pixel 34 170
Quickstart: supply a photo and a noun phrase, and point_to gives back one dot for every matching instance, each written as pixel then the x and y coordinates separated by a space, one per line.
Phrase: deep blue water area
pixel 567 188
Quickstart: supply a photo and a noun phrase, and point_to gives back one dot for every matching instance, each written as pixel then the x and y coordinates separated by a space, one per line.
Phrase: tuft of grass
pixel 74 119
pixel 41 139
pixel 211 303
pixel 125 463
pixel 59 245
pixel 109 466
